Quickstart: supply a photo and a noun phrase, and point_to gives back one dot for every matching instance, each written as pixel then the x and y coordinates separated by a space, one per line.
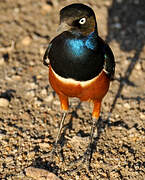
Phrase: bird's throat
pixel 77 46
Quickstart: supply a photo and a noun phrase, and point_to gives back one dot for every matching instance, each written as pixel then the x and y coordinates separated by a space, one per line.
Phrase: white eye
pixel 82 20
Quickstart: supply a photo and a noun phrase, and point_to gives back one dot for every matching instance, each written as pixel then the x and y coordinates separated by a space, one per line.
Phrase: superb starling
pixel 80 63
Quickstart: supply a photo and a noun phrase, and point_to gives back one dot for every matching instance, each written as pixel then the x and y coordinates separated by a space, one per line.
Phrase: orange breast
pixel 94 89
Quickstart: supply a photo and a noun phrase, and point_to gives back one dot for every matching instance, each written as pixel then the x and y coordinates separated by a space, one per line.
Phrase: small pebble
pixel 4 102
pixel 46 7
pixel 26 41
pixel 127 106
pixel 117 25
pixel 31 86
pixel 138 66
pixel 42 51
pixel 2 136
pixel 30 94
pixel 44 146
pixel 142 116
pixel 118 106
pixel 31 155
pixel 44 92
pixel 37 103
pixel 107 3
pixel 116 19
pixel 16 77
pixel 25 116
pixel 49 98
pixel 78 142
pixel 56 103
pixel 31 63
pixel 139 23
pixel 8 159
pixel 40 174
pixel 2 61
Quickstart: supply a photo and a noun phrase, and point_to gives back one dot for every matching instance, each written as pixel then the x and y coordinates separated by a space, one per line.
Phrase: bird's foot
pixel 83 161
pixel 88 156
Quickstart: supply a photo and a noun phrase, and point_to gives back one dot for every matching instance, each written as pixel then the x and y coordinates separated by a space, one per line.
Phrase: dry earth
pixel 29 109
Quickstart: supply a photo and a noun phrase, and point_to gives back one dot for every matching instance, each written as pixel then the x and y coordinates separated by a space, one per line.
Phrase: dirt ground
pixel 30 111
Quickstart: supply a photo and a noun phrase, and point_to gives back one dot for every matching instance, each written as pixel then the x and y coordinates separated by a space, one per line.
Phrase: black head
pixel 78 18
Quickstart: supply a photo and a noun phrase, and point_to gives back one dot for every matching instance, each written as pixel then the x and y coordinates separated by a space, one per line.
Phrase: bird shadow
pixel 126 24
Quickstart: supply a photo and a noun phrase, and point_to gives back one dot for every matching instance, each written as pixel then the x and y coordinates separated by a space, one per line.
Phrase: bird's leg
pixel 95 117
pixel 64 106
pixel 60 127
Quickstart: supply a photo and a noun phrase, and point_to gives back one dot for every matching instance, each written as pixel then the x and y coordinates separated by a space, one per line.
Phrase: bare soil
pixel 30 111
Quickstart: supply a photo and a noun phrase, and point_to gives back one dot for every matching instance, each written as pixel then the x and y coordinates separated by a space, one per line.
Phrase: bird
pixel 81 64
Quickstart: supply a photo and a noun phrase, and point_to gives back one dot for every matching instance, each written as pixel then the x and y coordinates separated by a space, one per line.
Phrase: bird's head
pixel 77 18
